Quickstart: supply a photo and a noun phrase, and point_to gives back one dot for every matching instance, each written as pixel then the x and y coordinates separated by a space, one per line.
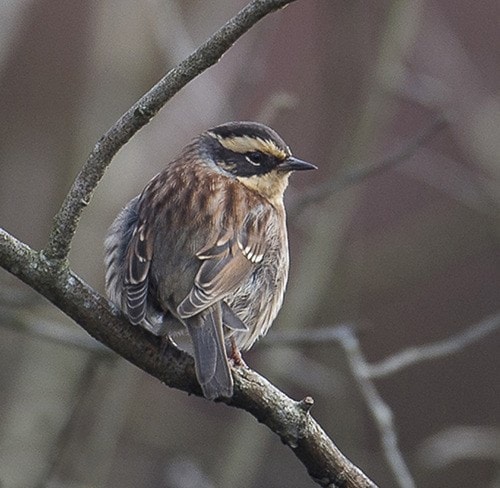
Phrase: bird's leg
pixel 235 355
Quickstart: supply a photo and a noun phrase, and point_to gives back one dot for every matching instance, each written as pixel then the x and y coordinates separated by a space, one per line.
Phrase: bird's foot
pixel 235 357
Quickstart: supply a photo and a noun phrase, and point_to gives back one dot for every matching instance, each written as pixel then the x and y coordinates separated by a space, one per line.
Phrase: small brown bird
pixel 204 248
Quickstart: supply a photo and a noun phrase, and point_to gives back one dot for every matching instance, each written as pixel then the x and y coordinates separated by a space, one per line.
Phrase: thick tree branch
pixel 140 114
pixel 289 419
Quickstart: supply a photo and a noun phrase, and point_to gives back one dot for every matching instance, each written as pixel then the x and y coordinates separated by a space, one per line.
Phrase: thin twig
pixel 364 373
pixel 353 177
pixel 67 218
pixel 460 442
pixel 399 361
pixel 414 355
pixel 297 429
pixel 381 413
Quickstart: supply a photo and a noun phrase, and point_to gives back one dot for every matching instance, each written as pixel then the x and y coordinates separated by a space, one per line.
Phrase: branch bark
pixel 289 419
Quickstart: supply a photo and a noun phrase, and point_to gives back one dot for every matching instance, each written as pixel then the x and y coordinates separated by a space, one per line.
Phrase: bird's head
pixel 255 155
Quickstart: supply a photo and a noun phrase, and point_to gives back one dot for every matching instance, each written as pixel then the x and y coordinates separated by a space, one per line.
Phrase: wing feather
pixel 226 264
pixel 138 261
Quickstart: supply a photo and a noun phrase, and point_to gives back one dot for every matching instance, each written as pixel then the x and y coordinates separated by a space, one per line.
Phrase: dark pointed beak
pixel 294 164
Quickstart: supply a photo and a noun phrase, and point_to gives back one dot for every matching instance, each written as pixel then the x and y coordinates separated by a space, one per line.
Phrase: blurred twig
pixel 140 114
pixel 398 361
pixel 51 330
pixel 379 410
pixel 414 355
pixel 170 29
pixel 460 442
pixel 176 44
pixel 277 103
pixel 364 373
pixel 353 177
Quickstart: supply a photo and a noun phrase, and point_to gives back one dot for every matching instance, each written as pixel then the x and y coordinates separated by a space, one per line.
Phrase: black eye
pixel 255 158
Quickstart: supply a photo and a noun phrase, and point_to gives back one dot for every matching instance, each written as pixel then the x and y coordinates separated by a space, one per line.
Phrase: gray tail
pixel 212 367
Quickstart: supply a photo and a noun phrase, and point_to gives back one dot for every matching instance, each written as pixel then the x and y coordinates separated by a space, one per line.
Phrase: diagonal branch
pixel 287 418
pixel 68 216
pixel 380 411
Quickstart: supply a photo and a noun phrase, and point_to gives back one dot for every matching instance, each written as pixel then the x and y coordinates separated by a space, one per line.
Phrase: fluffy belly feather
pixel 258 301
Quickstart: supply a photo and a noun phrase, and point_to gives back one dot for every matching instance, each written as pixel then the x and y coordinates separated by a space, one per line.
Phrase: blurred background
pixel 407 255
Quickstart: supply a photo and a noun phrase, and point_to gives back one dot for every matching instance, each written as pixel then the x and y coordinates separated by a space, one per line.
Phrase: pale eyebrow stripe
pixel 243 144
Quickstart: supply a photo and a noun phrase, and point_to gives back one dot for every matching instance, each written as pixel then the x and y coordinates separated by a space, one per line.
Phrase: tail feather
pixel 212 367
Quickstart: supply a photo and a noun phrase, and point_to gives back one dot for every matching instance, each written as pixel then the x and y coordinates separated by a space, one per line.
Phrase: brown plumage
pixel 204 248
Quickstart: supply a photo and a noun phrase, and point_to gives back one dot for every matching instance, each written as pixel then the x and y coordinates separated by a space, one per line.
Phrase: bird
pixel 204 248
